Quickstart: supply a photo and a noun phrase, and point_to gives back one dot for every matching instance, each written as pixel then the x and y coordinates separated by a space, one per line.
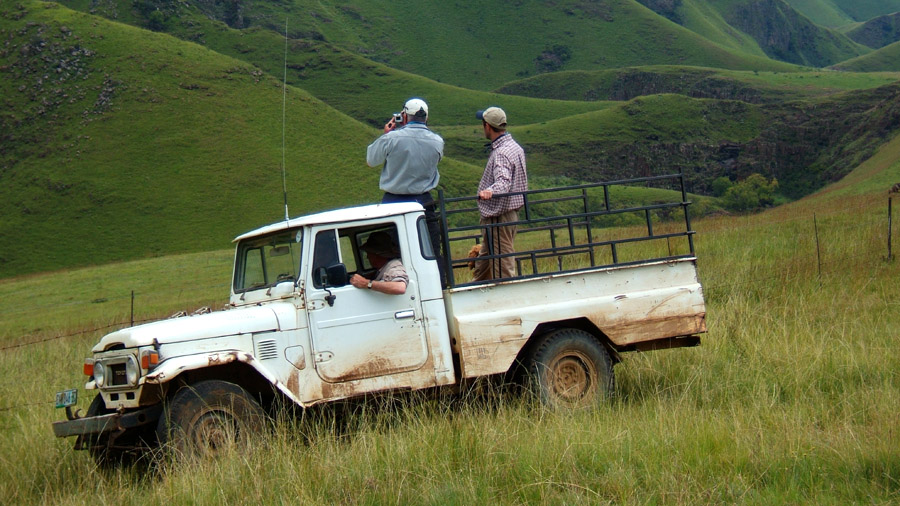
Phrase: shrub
pixel 750 194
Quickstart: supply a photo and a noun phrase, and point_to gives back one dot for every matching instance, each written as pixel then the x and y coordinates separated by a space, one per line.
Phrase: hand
pixel 485 194
pixel 359 281
pixel 390 125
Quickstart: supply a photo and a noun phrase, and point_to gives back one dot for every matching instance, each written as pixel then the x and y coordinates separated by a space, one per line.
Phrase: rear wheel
pixel 208 417
pixel 569 368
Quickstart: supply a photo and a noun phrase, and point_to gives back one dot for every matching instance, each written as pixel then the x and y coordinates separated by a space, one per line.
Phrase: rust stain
pixel 293 383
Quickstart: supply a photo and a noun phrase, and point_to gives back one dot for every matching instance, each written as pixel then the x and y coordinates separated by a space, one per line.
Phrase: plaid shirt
pixel 504 173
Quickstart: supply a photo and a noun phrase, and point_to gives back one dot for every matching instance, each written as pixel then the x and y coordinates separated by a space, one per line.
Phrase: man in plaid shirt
pixel 504 173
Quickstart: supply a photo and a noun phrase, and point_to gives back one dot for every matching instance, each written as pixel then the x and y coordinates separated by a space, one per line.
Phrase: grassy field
pixel 791 398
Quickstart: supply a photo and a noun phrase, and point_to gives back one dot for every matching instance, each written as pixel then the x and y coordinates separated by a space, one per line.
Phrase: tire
pixel 570 369
pixel 209 417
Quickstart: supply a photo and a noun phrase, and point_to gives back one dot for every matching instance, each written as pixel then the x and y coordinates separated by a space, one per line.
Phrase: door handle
pixel 402 315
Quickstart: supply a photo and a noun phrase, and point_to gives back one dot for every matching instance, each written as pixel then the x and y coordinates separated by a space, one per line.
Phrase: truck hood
pixel 276 316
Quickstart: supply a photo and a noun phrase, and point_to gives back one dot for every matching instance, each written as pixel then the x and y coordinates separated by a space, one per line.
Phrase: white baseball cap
pixel 416 107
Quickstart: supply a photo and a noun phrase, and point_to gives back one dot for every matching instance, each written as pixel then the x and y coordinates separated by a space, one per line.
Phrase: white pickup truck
pixel 295 329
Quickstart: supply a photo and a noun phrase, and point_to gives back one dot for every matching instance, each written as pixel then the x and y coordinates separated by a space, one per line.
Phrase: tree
pixel 750 194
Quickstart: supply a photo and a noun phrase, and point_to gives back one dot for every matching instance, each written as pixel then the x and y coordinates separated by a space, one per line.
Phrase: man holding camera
pixel 410 153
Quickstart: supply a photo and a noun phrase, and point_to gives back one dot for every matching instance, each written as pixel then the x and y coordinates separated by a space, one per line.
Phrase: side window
pixel 325 253
pixel 425 239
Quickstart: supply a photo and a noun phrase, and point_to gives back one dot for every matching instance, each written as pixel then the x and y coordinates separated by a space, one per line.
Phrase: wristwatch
pixel 369 285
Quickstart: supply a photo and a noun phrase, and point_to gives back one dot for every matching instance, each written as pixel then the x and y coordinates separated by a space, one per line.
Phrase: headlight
pixel 132 371
pixel 99 373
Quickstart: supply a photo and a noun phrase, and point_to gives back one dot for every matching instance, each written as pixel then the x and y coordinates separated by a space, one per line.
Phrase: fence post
pixel 818 252
pixel 890 228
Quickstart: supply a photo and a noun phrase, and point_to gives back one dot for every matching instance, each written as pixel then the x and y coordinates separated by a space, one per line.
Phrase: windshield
pixel 266 261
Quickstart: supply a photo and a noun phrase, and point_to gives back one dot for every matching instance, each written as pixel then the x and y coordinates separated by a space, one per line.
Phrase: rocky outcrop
pixel 804 144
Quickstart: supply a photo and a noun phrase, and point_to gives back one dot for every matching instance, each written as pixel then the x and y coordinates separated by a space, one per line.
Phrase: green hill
pixel 778 30
pixel 886 59
pixel 631 82
pixel 450 43
pixel 804 143
pixel 877 32
pixel 838 13
pixel 118 142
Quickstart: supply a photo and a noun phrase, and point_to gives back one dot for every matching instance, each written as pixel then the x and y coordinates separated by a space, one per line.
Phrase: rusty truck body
pixel 295 329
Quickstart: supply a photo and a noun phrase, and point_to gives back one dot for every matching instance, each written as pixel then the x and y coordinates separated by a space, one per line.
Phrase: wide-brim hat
pixel 381 244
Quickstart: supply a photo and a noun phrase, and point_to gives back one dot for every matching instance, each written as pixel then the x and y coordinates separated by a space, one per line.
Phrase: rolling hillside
pixel 119 142
pixel 877 32
pixel 778 30
pixel 134 143
pixel 886 59
pixel 449 43
pixel 630 82
pixel 836 13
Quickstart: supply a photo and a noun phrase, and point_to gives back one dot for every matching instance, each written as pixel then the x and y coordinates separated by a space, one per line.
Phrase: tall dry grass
pixel 791 398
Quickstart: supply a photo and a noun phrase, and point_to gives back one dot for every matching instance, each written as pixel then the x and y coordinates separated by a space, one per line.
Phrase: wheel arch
pixel 581 323
pixel 233 367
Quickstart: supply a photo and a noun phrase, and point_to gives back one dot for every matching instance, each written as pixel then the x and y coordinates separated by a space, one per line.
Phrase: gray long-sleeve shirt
pixel 410 155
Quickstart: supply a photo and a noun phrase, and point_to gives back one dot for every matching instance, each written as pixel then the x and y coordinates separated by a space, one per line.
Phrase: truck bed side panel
pixel 490 324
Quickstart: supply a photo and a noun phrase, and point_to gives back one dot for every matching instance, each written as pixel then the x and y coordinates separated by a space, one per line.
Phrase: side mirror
pixel 333 276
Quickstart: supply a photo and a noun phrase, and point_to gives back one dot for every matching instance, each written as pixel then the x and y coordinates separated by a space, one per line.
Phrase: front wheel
pixel 208 417
pixel 569 368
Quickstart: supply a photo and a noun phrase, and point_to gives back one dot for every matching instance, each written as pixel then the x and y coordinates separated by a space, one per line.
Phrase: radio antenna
pixel 283 107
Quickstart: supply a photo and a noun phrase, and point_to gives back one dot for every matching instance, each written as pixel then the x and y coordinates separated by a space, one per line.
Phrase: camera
pixel 398 118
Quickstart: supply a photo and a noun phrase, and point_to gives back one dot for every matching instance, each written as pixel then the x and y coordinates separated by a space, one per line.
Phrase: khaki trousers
pixel 501 240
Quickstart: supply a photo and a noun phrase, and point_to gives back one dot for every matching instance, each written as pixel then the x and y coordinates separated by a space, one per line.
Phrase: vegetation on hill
pixel 803 143
pixel 630 82
pixel 877 32
pixel 133 143
pixel 157 138
pixel 468 44
pixel 881 60
pixel 838 13
pixel 779 31
pixel 702 18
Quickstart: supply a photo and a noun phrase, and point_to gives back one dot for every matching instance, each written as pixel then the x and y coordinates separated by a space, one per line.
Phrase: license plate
pixel 66 398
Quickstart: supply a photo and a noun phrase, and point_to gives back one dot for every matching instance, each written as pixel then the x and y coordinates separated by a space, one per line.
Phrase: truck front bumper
pixel 82 426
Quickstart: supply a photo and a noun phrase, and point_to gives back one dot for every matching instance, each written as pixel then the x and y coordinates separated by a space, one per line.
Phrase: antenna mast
pixel 283 107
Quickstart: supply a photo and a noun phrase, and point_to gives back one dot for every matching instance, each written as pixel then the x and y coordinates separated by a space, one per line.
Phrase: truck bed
pixel 633 306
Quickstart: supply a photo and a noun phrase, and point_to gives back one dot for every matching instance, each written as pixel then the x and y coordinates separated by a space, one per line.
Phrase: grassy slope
pixel 790 399
pixel 839 13
pixel 877 32
pixel 370 91
pixel 764 86
pixel 701 17
pixel 188 155
pixel 787 35
pixel 884 59
pixel 450 45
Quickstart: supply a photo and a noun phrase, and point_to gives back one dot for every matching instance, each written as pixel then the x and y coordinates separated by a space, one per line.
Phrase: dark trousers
pixel 431 219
